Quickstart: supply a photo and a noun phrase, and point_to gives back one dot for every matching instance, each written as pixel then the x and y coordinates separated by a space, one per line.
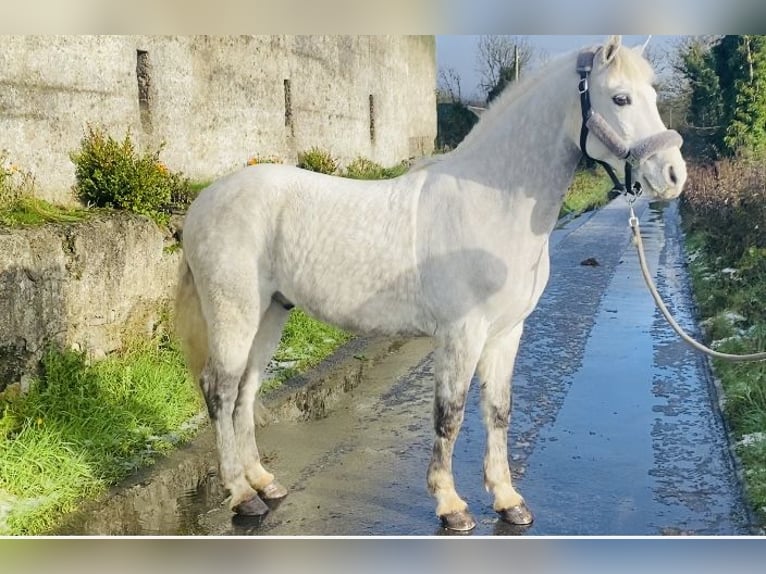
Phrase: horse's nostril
pixel 672 175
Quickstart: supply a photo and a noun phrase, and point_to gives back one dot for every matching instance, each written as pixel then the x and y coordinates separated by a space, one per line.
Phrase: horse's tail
pixel 190 323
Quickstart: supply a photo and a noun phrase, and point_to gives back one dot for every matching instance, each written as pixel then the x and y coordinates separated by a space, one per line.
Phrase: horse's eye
pixel 622 99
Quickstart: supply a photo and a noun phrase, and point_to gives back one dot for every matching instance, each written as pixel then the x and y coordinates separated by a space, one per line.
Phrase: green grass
pixel 305 343
pixel 195 187
pixel 743 384
pixel 34 211
pixel 82 427
pixel 362 168
pixel 588 191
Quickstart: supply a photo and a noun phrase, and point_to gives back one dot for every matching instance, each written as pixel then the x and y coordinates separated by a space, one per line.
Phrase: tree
pixel 449 86
pixel 672 88
pixel 453 118
pixel 698 66
pixel 746 96
pixel 727 91
pixel 501 60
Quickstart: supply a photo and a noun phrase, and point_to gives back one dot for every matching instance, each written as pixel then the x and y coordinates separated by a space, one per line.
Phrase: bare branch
pixel 496 59
pixel 449 88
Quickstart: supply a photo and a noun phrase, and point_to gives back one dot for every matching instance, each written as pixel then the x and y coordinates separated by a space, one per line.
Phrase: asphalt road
pixel 615 426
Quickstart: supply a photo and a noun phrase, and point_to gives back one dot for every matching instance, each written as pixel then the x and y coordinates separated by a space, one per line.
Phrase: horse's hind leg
pixel 231 328
pixel 454 364
pixel 263 347
pixel 495 371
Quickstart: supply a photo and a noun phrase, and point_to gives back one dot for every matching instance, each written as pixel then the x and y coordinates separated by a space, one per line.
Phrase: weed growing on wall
pixel 111 173
pixel 363 168
pixel 15 183
pixel 259 159
pixel 319 160
pixel 19 206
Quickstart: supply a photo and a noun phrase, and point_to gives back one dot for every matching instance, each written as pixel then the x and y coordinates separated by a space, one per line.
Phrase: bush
pixel 111 174
pixel 724 208
pixel 726 200
pixel 363 168
pixel 454 121
pixel 316 159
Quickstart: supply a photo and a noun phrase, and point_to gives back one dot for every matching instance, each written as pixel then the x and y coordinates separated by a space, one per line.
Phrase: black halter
pixel 584 67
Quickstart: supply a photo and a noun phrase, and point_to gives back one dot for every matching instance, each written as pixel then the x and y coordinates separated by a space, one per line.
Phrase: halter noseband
pixel 594 122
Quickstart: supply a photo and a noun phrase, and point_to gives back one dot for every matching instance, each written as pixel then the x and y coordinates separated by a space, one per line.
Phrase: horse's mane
pixel 627 62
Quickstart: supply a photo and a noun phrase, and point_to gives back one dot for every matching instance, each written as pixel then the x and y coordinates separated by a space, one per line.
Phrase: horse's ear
pixel 642 48
pixel 610 49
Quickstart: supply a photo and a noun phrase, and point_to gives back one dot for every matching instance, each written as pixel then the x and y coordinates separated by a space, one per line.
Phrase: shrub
pixel 727 201
pixel 454 121
pixel 363 168
pixel 110 173
pixel 316 159
pixel 724 209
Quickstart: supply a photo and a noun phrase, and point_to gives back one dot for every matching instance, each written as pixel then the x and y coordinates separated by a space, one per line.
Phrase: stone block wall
pixel 215 101
pixel 83 286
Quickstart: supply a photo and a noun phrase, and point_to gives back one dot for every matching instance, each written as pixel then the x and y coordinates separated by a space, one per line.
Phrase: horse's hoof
pixel 273 491
pixel 251 507
pixel 460 521
pixel 520 515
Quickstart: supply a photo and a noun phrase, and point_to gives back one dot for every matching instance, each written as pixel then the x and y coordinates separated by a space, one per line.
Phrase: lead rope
pixel 633 221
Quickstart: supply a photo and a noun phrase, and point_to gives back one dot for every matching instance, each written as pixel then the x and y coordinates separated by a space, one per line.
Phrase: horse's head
pixel 622 125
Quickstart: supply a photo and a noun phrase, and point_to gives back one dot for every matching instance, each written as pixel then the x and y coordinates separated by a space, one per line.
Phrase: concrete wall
pixel 83 286
pixel 215 101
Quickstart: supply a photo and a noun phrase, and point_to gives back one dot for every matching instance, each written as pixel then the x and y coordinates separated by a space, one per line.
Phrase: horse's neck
pixel 523 146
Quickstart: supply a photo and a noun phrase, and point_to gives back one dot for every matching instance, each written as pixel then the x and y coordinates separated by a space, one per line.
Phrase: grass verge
pixel 588 191
pixel 305 343
pixel 83 427
pixel 723 301
pixel 34 211
pixel 724 215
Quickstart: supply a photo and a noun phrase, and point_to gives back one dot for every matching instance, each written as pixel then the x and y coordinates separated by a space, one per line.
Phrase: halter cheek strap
pixel 593 122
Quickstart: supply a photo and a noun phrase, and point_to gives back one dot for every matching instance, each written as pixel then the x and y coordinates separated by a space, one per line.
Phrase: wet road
pixel 615 428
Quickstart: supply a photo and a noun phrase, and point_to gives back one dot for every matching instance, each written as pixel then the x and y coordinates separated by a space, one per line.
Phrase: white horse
pixel 455 249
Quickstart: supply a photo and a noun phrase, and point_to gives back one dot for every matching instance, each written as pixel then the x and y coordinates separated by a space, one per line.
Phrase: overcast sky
pixel 460 52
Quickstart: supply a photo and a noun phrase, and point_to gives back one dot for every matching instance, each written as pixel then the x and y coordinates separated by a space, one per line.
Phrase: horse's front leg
pixel 454 364
pixel 495 370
